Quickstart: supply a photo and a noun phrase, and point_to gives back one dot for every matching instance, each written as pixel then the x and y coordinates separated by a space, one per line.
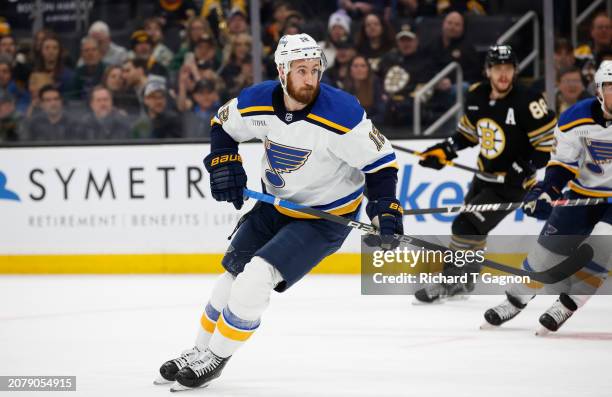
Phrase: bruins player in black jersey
pixel 514 128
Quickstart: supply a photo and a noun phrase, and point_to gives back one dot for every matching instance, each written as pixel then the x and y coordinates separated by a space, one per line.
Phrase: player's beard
pixel 304 95
pixel 499 89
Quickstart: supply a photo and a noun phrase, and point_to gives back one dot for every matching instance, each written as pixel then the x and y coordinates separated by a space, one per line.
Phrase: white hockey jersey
pixel 584 146
pixel 316 156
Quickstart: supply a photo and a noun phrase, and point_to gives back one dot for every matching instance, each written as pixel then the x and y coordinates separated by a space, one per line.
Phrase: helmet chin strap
pixel 604 109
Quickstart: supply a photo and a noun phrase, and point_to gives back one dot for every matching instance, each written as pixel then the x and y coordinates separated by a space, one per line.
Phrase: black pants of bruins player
pixel 470 230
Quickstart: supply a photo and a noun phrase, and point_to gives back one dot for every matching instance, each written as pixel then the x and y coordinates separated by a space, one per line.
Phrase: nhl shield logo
pixel 288 117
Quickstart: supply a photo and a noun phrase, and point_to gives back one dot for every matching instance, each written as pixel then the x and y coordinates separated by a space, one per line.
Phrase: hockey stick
pixel 561 271
pixel 493 177
pixel 505 206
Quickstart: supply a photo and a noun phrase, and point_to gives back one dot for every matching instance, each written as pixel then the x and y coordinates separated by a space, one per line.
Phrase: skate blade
pixel 417 302
pixel 487 327
pixel 458 297
pixel 176 387
pixel 161 381
pixel 542 332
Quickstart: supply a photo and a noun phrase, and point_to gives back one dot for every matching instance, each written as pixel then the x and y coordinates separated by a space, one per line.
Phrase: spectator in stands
pixel 142 48
pixel 196 27
pixel 112 54
pixel 601 38
pixel 200 109
pixel 337 74
pixel 237 22
pixel 174 12
pixel 408 10
pixel 461 6
pixel 375 39
pixel 135 77
pixel 272 32
pixel 357 9
pixel 161 54
pixel 11 121
pixel 204 55
pixel 90 73
pixel 7 83
pixel 37 81
pixel 403 70
pixel 49 60
pixel 237 70
pixel 452 47
pixel 338 27
pixel 159 122
pixel 104 122
pixel 53 124
pixel 570 88
pixel 21 69
pixel 564 58
pixel 364 84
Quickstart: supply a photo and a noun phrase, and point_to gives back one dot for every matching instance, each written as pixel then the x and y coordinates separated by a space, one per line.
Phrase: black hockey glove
pixel 227 176
pixel 387 215
pixel 536 202
pixel 437 155
pixel 519 174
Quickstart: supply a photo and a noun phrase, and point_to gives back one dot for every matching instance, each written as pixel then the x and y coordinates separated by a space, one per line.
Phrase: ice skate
pixel 438 293
pixel 502 313
pixel 168 370
pixel 556 315
pixel 200 372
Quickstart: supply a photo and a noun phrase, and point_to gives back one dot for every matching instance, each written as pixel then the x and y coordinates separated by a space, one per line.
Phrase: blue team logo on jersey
pixel 600 153
pixel 282 160
pixel 5 193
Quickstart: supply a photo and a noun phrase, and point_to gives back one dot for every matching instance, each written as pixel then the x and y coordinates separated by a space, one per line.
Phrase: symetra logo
pixel 440 195
pixel 6 193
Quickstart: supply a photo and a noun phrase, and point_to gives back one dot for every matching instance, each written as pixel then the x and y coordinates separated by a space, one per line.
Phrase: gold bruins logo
pixel 492 138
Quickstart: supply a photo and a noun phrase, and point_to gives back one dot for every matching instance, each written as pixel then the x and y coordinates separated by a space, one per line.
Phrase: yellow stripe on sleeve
pixel 545 128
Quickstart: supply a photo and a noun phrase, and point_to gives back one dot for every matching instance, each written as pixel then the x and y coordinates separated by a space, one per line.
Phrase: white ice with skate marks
pixel 321 338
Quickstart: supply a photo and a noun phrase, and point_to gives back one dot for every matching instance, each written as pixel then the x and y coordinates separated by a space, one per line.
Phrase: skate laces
pixel 187 356
pixel 559 312
pixel 206 364
pixel 506 310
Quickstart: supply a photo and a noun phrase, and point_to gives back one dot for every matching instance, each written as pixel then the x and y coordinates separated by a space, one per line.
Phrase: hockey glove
pixel 227 176
pixel 519 174
pixel 387 215
pixel 438 155
pixel 537 201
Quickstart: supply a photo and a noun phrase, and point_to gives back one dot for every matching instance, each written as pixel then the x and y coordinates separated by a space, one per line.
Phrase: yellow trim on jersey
pixel 232 333
pixel 547 127
pixel 467 122
pixel 547 149
pixel 256 109
pixel 328 122
pixel 588 192
pixel 468 241
pixel 589 278
pixel 470 137
pixel 568 167
pixel 545 138
pixel 214 121
pixel 207 324
pixel 585 120
pixel 347 208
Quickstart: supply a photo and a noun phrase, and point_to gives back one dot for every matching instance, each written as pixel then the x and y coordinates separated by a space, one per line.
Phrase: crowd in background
pixel 158 88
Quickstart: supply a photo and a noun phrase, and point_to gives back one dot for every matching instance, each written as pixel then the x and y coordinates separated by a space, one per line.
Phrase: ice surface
pixel 321 338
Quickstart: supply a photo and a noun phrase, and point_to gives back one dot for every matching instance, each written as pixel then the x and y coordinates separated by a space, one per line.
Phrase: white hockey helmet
pixel 603 75
pixel 292 47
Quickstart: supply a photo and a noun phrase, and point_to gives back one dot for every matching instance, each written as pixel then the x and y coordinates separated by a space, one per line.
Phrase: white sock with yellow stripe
pixel 218 300
pixel 249 298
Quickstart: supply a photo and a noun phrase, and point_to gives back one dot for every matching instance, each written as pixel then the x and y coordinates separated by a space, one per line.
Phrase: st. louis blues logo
pixel 600 153
pixel 283 159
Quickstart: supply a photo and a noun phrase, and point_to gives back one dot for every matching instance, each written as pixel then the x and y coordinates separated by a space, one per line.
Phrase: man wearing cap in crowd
pixel 159 122
pixel 142 48
pixel 112 54
pixel 11 122
pixel 205 102
pixel 345 51
pixel 403 70
pixel 338 28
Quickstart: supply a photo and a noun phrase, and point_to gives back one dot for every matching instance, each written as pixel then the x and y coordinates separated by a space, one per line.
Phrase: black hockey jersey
pixel 507 129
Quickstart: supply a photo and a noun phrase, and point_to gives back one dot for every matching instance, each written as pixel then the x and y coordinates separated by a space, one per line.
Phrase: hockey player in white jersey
pixel 582 160
pixel 321 151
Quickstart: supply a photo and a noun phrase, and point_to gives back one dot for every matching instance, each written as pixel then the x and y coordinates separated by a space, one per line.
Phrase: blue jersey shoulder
pixel 336 110
pixel 578 114
pixel 257 95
